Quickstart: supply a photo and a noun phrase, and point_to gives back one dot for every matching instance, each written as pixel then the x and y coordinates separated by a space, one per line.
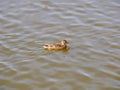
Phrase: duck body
pixel 59 46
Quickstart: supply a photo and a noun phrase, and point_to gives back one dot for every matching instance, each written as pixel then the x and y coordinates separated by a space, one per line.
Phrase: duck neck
pixel 63 44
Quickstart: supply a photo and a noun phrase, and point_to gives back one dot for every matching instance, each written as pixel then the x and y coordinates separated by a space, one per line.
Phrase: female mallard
pixel 59 46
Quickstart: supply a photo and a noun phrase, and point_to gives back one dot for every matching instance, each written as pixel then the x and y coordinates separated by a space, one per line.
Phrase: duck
pixel 58 46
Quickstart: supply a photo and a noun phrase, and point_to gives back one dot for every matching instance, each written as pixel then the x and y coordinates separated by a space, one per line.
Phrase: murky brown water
pixel 92 28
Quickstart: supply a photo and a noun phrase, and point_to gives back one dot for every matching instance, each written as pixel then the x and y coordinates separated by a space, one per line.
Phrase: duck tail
pixel 45 46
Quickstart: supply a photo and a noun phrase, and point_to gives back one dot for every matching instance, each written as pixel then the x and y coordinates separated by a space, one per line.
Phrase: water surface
pixel 92 28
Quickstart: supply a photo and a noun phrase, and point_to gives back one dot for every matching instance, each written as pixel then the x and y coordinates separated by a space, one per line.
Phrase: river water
pixel 92 28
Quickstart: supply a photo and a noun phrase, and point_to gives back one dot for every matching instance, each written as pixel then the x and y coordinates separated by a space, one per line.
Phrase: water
pixel 92 28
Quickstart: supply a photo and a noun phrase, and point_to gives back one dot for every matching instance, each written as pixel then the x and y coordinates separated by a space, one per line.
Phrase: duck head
pixel 64 42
